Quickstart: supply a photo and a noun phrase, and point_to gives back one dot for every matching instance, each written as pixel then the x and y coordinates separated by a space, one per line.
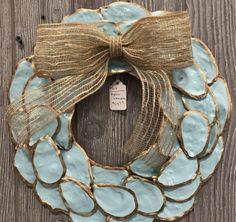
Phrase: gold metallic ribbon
pixel 76 58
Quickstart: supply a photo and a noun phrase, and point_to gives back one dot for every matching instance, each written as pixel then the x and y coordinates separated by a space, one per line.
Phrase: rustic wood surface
pixel 100 131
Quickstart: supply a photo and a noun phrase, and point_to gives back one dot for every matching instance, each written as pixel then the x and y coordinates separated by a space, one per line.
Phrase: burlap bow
pixel 76 58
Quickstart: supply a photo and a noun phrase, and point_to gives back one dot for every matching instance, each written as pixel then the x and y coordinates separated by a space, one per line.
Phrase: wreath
pixel 183 122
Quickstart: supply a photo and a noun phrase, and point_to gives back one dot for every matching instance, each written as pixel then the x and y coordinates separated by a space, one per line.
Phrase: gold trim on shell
pixel 85 188
pixel 28 59
pixel 28 184
pixel 193 195
pixel 207 153
pixel 81 10
pixel 107 167
pixel 179 151
pixel 188 108
pixel 152 183
pixel 204 181
pixel 191 95
pixel 87 159
pixel 178 217
pixel 45 203
pixel 230 104
pixel 211 56
pixel 128 3
pixel 180 137
pixel 122 188
pixel 58 152
pixel 69 129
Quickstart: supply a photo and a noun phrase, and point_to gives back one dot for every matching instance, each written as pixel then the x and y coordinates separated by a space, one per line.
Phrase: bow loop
pixel 69 49
pixel 162 42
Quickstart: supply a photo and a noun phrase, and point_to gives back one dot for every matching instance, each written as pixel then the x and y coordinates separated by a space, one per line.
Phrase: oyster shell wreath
pixel 65 179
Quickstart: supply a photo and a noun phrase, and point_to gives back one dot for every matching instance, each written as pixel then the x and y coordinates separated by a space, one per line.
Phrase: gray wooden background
pixel 100 131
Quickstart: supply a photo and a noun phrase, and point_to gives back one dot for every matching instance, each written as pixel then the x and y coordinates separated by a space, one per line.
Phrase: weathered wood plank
pixel 27 18
pixel 54 11
pixel 7 64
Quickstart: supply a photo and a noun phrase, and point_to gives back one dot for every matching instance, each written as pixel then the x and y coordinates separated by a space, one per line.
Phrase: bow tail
pixel 156 125
pixel 37 109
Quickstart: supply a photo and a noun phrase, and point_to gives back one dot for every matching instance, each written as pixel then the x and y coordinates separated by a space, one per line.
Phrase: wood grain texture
pixel 7 61
pixel 100 131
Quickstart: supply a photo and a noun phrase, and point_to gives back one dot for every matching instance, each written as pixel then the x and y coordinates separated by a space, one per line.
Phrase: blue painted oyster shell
pixel 68 181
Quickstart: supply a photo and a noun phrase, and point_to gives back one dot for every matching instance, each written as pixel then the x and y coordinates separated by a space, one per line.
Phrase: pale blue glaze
pixel 142 166
pixel 125 26
pixel 183 192
pixel 195 132
pixel 77 165
pixel 51 127
pixel 96 217
pixel 47 162
pixel 149 196
pixel 202 58
pixel 102 175
pixel 23 163
pixel 50 196
pixel 63 137
pixel 222 98
pixel 209 163
pixel 115 201
pixel 36 82
pixel 168 130
pixel 213 137
pixel 108 28
pixel 189 80
pixel 123 11
pixel 83 16
pixel 179 103
pixel 175 210
pixel 135 218
pixel 23 72
pixel 92 16
pixel 175 148
pixel 48 130
pixel 178 171
pixel 77 199
pixel 206 106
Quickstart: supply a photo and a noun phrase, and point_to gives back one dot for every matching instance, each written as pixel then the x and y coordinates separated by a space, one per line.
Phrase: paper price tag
pixel 118 96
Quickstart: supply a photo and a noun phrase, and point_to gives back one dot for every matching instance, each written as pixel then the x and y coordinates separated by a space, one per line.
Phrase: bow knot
pixel 115 47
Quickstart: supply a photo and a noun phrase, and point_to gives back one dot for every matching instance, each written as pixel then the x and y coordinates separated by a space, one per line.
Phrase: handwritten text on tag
pixel 118 100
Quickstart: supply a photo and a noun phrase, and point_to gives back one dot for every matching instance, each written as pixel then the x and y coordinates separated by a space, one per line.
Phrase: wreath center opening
pixel 101 131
